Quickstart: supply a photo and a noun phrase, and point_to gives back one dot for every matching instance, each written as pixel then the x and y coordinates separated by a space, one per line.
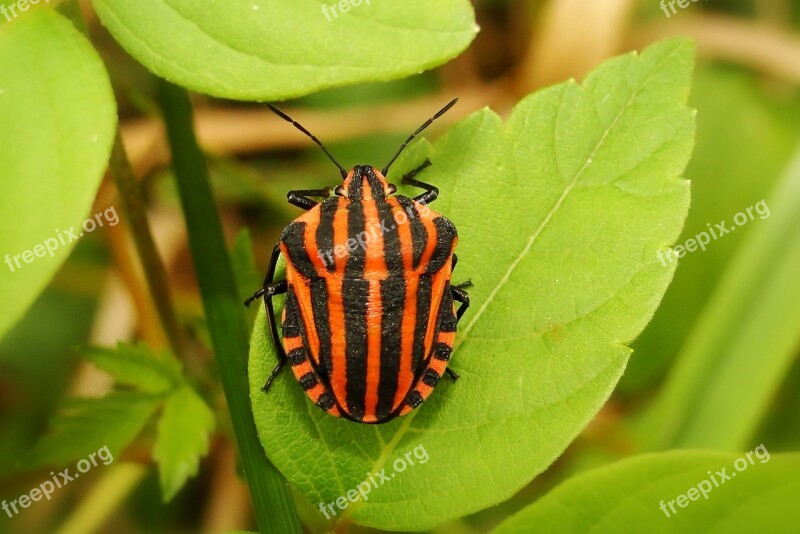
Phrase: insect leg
pixel 413 173
pixel 273 328
pixel 278 348
pixel 273 262
pixel 459 295
pixel 431 191
pixel 300 198
pixel 269 290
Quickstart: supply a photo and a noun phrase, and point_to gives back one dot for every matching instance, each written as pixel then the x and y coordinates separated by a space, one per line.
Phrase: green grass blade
pixel 739 351
pixel 272 501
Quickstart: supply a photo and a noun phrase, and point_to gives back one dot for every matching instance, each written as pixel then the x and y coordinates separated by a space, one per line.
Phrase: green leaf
pixel 86 425
pixel 57 120
pixel 138 366
pixel 182 439
pixel 744 342
pixel 626 496
pixel 265 50
pixel 560 214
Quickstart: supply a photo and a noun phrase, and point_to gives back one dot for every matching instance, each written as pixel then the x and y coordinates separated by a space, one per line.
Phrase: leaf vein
pixel 551 213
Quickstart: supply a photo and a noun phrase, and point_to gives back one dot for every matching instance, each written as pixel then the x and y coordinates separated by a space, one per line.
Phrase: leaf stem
pixel 274 507
pixel 135 207
pixel 133 202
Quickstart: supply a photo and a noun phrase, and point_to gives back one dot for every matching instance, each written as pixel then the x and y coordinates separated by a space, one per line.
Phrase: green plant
pixel 563 207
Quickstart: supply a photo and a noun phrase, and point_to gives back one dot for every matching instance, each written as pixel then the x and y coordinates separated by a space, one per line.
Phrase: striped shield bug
pixel 369 318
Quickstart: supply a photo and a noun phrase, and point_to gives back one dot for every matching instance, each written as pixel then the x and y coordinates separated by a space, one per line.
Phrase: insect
pixel 369 318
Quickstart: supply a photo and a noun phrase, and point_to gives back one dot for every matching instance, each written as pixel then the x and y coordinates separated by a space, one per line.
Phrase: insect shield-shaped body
pixel 369 318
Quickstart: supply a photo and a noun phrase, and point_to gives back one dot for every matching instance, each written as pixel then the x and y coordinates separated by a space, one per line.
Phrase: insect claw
pixel 266 386
pixel 272 376
pixel 256 295
pixel 409 178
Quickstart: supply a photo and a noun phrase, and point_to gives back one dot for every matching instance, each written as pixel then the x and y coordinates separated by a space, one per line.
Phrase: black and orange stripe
pixel 369 322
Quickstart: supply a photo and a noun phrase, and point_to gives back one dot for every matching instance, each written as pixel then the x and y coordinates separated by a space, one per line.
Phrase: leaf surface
pixel 275 49
pixel 627 496
pixel 138 366
pixel 87 424
pixel 57 120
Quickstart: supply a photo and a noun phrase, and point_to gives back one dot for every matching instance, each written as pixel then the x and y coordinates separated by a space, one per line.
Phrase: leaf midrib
pixel 551 213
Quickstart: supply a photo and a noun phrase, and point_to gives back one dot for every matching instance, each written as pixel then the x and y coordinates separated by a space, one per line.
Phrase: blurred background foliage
pixel 748 102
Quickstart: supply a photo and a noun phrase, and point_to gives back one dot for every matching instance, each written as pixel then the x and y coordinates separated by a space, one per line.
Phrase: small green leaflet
pixel 85 425
pixel 138 366
pixel 182 439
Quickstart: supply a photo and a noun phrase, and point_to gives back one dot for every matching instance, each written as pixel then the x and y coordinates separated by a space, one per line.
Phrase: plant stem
pixel 133 202
pixel 274 507
pixel 135 208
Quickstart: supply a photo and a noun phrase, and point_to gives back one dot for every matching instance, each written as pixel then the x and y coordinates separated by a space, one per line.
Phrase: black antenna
pixel 419 131
pixel 300 127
